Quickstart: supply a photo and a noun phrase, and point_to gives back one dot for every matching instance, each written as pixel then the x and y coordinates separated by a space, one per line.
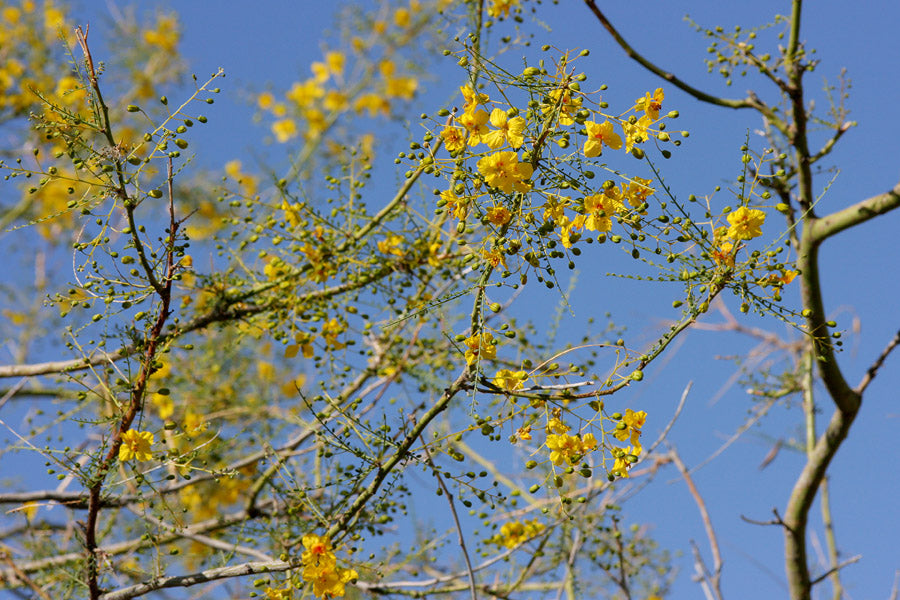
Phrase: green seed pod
pixel 155 193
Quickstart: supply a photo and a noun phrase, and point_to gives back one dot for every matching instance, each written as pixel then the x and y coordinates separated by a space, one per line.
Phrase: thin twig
pixel 873 370
pixel 459 531
pixel 835 569
pixel 715 578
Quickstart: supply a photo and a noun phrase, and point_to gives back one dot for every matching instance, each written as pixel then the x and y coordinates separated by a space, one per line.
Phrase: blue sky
pixel 273 42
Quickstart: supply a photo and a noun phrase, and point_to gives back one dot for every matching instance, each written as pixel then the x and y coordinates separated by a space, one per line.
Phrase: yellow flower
pixel 335 101
pixel 166 34
pixel 567 105
pixel 401 17
pixel 503 171
pixel 330 330
pixel 306 93
pixel 517 532
pixel 455 206
pixel 637 132
pixel 317 551
pixel 600 208
pixel 745 223
pixel 500 8
pixel 70 90
pixel 136 444
pixel 335 61
pixel 495 257
pixel 598 135
pixel 284 129
pixel 391 245
pixel 30 510
pixel 454 139
pixel 498 215
pixel 279 593
pixel 508 130
pixel 475 122
pixel 472 99
pixel 330 584
pixel 624 461
pixel 373 103
pixel 724 255
pixel 637 190
pixel 569 449
pixel 555 207
pixel 651 105
pixel 164 405
pixel 510 381
pixel 633 422
pixel 397 87
pixel 557 426
pixel 480 346
pixel 194 423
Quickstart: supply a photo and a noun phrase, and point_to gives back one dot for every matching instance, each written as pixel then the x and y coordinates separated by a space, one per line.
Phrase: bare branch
pixel 835 569
pixel 836 222
pixel 749 102
pixel 159 583
pixel 873 370
pixel 715 578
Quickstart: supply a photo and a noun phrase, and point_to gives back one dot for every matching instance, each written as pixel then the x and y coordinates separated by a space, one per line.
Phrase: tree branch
pixel 749 102
pixel 873 370
pixel 715 578
pixel 836 222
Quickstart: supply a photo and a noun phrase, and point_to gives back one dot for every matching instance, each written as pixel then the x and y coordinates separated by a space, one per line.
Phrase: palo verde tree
pixel 314 376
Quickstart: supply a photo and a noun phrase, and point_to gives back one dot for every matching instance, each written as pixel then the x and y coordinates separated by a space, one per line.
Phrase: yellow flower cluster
pixel 599 209
pixel 320 567
pixel 743 224
pixel 480 346
pixel 628 428
pixel 510 381
pixel 515 533
pixel 569 449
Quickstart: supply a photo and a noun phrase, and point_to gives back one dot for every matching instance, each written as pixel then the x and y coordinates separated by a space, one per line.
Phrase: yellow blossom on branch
pixel 745 223
pixel 600 209
pixel 279 593
pixel 480 346
pixel 502 170
pixel 475 122
pixel 320 567
pixel 599 135
pixel 455 206
pixel 633 422
pixel 651 104
pixel 498 215
pixel 508 130
pixel 568 449
pixel 501 8
pixel 567 105
pixel 625 460
pixel 517 532
pixel 636 132
pixel 454 139
pixel 284 129
pixel 494 257
pixel 472 99
pixel 510 381
pixel 136 444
